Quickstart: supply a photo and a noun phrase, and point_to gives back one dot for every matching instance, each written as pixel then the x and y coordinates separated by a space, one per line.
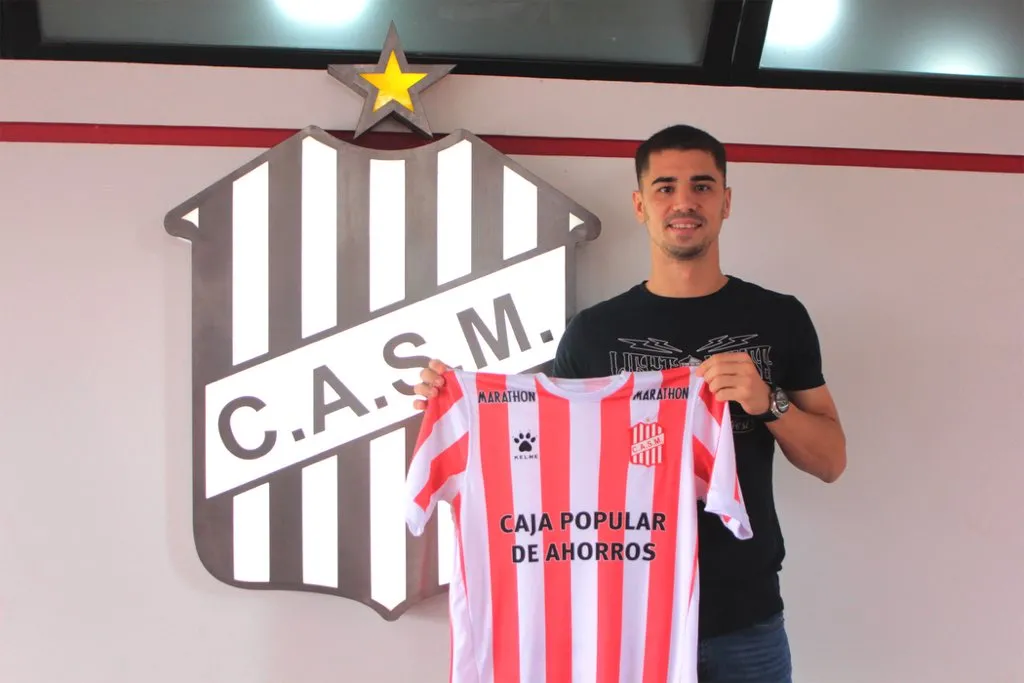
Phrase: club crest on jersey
pixel 324 275
pixel 648 444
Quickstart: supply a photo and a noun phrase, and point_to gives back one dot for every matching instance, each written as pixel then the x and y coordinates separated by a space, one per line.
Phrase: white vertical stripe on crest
pixel 574 221
pixel 320 523
pixel 523 430
pixel 519 232
pixel 319 237
pixel 635 455
pixel 454 212
pixel 387 232
pixel 646 435
pixel 584 466
pixel 387 520
pixel 250 265
pixel 251 534
pixel 684 621
pixel 445 542
pixel 193 217
pixel 639 498
pixel 647 450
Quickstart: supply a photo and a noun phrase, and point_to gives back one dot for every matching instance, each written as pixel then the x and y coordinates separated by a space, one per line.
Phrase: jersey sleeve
pixel 714 455
pixel 439 457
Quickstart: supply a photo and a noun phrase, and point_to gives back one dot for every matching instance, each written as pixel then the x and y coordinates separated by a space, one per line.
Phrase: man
pixel 758 349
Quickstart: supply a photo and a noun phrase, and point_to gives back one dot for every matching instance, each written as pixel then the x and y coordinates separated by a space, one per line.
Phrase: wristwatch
pixel 778 404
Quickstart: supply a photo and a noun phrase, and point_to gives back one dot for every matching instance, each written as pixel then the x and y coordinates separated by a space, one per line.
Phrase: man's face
pixel 683 201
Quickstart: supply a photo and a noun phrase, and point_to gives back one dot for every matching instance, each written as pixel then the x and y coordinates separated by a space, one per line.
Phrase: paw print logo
pixel 525 442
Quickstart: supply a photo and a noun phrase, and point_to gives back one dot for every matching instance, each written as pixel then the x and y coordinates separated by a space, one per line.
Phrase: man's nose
pixel 685 200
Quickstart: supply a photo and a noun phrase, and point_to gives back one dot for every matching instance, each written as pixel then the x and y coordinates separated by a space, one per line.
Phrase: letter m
pixel 505 316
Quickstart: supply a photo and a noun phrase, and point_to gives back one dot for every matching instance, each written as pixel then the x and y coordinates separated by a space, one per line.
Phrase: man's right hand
pixel 430 380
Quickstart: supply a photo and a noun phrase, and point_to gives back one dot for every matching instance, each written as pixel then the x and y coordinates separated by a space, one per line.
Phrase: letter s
pixel 404 362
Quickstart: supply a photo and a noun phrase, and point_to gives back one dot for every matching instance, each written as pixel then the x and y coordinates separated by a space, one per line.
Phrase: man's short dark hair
pixel 683 138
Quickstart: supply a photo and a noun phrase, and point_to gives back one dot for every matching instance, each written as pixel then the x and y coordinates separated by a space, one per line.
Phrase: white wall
pixel 905 570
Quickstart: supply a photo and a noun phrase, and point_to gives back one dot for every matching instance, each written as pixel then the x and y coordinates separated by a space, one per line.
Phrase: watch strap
pixel 769 415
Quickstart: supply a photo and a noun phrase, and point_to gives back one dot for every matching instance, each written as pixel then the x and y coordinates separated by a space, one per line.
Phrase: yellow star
pixel 393 84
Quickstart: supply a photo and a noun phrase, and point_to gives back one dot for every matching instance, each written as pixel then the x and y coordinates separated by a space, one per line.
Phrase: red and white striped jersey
pixel 574 504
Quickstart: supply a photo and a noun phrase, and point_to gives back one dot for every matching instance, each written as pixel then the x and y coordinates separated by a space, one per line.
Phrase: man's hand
pixel 430 380
pixel 734 377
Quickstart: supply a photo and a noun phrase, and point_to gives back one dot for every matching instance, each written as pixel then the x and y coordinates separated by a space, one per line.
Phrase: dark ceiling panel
pixel 665 32
pixel 953 48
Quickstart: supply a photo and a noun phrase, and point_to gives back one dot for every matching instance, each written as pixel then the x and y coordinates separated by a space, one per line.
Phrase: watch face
pixel 781 400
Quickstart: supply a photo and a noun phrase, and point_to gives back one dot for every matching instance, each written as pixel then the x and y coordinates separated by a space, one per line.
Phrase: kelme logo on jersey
pixel 324 276
pixel 524 446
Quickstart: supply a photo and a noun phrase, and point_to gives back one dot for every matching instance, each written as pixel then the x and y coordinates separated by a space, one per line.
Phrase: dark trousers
pixel 757 654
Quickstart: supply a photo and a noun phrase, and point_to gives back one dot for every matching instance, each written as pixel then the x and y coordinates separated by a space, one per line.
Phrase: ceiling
pixel 957 48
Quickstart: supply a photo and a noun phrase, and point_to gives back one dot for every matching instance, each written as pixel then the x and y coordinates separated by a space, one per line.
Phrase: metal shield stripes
pixel 314 267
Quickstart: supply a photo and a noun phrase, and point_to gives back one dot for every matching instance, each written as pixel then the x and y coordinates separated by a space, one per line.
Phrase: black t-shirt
pixel 638 330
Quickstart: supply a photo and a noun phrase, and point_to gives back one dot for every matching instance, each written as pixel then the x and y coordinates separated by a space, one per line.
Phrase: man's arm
pixel 810 434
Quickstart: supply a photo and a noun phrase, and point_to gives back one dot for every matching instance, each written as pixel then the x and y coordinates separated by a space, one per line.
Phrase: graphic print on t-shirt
pixel 641 355
pixel 575 514
pixel 657 354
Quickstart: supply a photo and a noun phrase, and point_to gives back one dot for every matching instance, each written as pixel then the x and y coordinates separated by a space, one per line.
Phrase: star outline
pixel 352 75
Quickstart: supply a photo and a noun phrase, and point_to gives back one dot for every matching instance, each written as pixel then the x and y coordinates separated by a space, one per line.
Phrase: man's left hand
pixel 734 377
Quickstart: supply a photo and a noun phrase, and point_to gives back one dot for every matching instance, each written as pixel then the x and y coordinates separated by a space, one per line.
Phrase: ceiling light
pixel 800 23
pixel 962 62
pixel 956 48
pixel 321 12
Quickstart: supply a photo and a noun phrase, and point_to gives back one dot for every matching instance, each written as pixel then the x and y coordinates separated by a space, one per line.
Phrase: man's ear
pixel 727 207
pixel 638 206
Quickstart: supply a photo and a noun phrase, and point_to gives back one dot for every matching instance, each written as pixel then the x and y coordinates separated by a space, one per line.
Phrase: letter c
pixel 226 435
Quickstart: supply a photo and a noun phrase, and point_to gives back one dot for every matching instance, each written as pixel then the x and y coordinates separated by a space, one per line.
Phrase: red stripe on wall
pixel 200 136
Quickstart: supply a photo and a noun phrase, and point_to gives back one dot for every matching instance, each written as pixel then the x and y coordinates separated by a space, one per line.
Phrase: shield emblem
pixel 324 275
pixel 648 444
